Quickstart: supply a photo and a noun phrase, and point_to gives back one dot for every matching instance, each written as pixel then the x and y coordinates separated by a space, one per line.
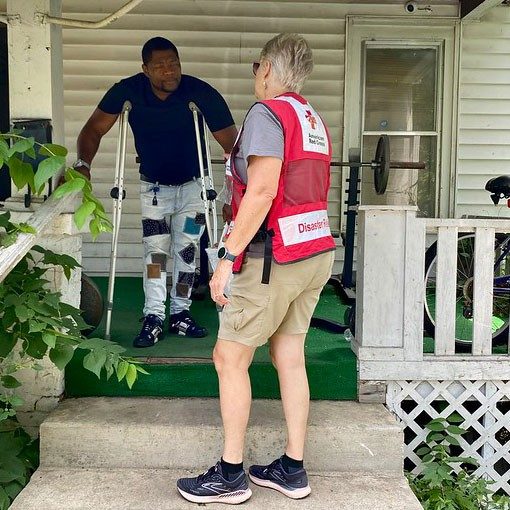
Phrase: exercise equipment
pixel 118 194
pixel 380 165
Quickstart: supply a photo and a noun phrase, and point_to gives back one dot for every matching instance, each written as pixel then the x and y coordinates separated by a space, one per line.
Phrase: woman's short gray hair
pixel 291 59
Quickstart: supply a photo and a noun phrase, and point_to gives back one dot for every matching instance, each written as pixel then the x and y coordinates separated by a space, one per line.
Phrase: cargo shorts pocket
pixel 247 314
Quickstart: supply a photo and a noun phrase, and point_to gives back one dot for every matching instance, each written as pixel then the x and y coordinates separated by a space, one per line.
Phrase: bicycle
pixel 499 187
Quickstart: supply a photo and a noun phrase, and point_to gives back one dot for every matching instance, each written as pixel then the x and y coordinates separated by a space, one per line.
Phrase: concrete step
pixel 185 433
pixel 154 489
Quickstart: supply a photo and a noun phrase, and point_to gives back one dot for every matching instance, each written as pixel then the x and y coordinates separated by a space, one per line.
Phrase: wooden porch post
pixel 386 253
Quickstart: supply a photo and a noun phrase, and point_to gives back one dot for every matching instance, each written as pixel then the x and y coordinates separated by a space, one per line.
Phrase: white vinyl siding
pixel 484 112
pixel 217 41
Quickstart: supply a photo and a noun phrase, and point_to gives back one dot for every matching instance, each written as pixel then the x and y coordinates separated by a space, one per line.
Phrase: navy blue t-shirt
pixel 164 131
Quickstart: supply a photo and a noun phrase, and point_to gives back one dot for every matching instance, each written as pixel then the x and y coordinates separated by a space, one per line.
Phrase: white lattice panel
pixel 485 407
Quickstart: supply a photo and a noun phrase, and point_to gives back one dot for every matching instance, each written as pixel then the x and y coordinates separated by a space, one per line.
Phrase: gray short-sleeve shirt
pixel 262 135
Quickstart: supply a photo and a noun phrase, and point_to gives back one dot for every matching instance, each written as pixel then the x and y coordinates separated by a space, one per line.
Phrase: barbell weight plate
pixel 382 166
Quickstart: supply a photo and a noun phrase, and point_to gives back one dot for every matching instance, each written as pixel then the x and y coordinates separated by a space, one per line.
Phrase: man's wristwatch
pixel 79 162
pixel 223 253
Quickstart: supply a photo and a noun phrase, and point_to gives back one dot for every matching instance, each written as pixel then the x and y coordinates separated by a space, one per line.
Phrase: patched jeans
pixel 171 228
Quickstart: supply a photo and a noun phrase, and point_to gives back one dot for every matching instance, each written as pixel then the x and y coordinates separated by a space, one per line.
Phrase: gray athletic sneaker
pixel 212 487
pixel 294 485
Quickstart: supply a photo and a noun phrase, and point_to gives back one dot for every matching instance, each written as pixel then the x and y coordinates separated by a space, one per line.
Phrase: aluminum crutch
pixel 208 193
pixel 118 194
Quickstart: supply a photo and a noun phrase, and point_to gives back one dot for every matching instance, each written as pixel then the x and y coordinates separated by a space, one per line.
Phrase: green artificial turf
pixel 182 367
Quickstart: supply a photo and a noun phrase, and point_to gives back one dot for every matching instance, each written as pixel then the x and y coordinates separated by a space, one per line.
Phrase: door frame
pixel 407 31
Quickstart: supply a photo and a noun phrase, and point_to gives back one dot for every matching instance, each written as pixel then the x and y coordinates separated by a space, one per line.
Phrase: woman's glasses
pixel 255 67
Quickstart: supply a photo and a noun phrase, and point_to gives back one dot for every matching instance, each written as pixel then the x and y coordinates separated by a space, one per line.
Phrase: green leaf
pixel 422 451
pixel 131 376
pixel 433 436
pixel 22 145
pixel 36 346
pixel 22 313
pixel 69 187
pixel 5 217
pixel 453 429
pixel 455 418
pixel 452 440
pixel 4 150
pixel 122 370
pixel 61 355
pixel 141 370
pixel 8 381
pixel 35 326
pixel 49 339
pixel 47 168
pixel 94 362
pixel 7 342
pixel 21 173
pixel 83 212
pixel 436 425
pixel 26 229
pixel 51 149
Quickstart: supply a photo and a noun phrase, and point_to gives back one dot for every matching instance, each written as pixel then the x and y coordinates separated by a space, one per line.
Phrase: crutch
pixel 118 194
pixel 208 193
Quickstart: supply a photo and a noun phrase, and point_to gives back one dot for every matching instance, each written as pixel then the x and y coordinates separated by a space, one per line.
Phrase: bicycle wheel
pixel 464 303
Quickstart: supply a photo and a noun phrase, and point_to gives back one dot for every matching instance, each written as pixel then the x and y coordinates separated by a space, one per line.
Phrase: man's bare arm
pixel 226 137
pixel 90 136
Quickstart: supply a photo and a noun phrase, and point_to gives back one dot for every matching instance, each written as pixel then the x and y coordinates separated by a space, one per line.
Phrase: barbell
pixel 381 163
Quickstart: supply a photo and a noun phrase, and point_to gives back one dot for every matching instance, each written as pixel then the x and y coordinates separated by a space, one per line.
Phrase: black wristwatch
pixel 223 253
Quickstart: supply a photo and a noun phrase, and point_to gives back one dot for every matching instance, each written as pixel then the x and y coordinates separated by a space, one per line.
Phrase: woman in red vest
pixel 281 251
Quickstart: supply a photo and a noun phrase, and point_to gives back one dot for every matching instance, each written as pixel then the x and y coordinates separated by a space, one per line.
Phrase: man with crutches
pixel 173 216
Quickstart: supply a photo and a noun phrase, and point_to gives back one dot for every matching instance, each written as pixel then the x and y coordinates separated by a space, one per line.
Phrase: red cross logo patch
pixel 311 119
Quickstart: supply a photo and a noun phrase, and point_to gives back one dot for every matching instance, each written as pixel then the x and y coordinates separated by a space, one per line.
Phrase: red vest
pixel 298 218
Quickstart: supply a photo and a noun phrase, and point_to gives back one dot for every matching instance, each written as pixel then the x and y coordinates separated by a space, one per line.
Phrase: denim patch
pixel 182 290
pixel 154 227
pixel 188 253
pixel 186 278
pixel 191 227
pixel 200 218
pixel 159 258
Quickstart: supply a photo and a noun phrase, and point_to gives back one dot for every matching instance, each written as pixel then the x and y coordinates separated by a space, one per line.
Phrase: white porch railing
pixel 43 218
pixel 391 296
pixel 394 368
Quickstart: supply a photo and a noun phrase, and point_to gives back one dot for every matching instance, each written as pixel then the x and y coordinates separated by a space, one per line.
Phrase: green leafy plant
pixel 34 323
pixel 19 157
pixel 444 483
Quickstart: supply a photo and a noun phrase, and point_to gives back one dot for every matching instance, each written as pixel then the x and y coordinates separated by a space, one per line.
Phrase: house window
pixel 400 99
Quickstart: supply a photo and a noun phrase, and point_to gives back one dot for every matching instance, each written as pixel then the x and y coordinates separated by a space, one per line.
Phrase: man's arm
pixel 90 136
pixel 226 137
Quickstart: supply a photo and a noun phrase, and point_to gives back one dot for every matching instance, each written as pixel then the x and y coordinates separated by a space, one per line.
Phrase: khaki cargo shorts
pixel 257 311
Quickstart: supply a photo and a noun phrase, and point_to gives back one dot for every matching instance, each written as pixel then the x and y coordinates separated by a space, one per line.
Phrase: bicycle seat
pixel 499 187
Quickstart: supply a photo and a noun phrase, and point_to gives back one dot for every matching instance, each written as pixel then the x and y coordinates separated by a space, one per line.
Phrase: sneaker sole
pixel 293 494
pixel 231 498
